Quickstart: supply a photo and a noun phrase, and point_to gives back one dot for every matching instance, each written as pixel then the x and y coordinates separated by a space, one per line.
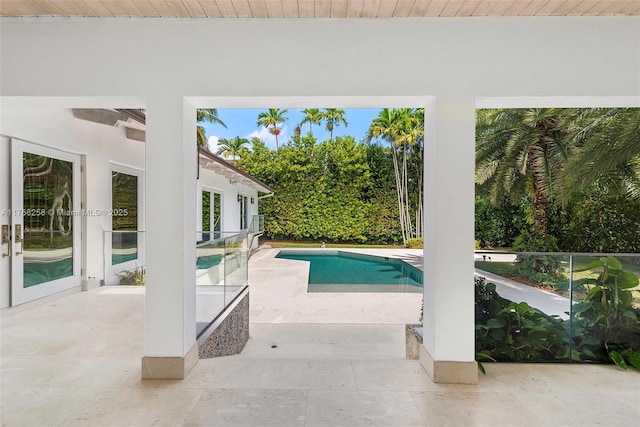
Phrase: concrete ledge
pixel 169 368
pixel 441 371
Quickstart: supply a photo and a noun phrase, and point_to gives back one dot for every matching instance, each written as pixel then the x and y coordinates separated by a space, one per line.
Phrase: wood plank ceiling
pixel 316 8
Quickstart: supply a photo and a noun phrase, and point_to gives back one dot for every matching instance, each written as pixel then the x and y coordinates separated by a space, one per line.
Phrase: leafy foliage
pixel 598 221
pixel 510 331
pixel 606 323
pixel 497 226
pixel 323 191
pixel 135 277
pixel 206 115
pixel 605 326
pixel 415 243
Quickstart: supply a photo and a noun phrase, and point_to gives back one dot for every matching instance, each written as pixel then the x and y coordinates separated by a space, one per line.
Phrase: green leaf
pixel 618 359
pixel 481 368
pixel 593 264
pixel 523 307
pixel 630 315
pixel 485 354
pixel 613 263
pixel 593 292
pixel 496 323
pixel 626 298
pixel 627 280
pixel 634 359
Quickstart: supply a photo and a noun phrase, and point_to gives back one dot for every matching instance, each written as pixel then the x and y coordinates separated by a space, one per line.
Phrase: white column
pixel 449 215
pixel 170 348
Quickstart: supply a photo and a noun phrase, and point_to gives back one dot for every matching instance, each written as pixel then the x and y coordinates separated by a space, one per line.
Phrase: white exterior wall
pixel 456 60
pixel 230 221
pixel 99 144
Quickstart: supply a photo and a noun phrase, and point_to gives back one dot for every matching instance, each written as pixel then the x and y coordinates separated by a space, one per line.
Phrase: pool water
pixel 208 261
pixel 337 271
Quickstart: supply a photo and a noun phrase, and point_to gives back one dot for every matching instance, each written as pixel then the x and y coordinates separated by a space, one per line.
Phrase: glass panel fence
pixel 221 274
pixel 556 307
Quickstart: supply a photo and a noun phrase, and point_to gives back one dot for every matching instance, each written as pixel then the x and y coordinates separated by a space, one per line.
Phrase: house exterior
pixel 449 66
pixel 73 199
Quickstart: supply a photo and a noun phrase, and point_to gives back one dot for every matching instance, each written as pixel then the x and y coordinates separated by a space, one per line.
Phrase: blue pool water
pixel 336 271
pixel 208 261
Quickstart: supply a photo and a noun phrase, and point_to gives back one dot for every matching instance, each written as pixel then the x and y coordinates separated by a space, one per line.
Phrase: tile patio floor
pixel 75 361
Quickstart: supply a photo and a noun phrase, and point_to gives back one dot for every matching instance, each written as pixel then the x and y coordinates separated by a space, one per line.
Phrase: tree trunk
pixel 540 202
pixel 399 193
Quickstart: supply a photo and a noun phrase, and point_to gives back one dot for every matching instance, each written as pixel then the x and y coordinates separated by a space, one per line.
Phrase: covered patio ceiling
pixel 316 8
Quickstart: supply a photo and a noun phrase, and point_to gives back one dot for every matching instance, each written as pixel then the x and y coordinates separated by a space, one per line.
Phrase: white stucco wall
pixel 457 60
pixel 100 144
pixel 230 221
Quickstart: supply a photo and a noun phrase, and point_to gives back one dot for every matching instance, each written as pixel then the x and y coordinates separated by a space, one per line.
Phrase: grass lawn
pixel 289 244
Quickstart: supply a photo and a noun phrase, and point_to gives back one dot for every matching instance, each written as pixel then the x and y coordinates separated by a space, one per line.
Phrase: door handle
pixel 6 238
pixel 18 238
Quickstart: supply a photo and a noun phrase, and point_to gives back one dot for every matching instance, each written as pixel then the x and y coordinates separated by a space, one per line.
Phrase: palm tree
pixel 404 130
pixel 333 117
pixel 523 151
pixel 313 116
pixel 231 147
pixel 206 115
pixel 272 120
pixel 608 150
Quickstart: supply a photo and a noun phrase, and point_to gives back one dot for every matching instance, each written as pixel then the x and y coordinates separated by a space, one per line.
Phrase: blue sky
pixel 242 122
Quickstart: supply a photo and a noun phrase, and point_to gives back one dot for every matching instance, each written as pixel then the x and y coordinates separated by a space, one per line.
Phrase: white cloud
pixel 213 143
pixel 268 138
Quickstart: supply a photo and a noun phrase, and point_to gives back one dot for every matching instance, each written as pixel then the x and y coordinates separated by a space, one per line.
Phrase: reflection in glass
pixel 206 215
pixel 48 219
pixel 124 203
pixel 216 215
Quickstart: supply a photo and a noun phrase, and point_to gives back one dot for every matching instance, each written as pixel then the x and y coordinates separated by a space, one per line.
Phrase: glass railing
pixel 257 224
pixel 124 260
pixel 557 307
pixel 221 274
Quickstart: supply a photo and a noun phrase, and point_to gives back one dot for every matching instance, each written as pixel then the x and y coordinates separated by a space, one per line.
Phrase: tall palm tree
pixel 272 119
pixel 313 116
pixel 608 150
pixel 523 151
pixel 206 115
pixel 332 118
pixel 404 130
pixel 231 147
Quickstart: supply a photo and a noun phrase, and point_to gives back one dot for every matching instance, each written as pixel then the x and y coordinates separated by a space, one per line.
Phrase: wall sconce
pixel 239 197
pixel 253 201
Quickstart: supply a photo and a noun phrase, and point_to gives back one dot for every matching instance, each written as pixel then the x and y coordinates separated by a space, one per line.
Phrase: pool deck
pixel 279 294
pixel 75 361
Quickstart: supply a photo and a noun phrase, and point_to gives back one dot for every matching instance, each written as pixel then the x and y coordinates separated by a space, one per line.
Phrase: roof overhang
pixel 210 161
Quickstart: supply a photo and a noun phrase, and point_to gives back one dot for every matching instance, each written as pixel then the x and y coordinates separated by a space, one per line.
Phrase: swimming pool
pixel 338 271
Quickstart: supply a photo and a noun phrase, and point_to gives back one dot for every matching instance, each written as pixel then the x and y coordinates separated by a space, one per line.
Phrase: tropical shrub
pixel 515 332
pixel 606 325
pixel 134 277
pixel 540 269
pixel 498 225
pixel 415 243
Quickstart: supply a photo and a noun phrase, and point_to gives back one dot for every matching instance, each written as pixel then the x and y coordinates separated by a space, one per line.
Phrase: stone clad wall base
pixel 448 372
pixel 229 334
pixel 413 341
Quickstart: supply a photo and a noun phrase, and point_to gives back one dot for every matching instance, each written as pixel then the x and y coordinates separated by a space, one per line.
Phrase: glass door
pixel 46 221
pixel 210 214
pixel 124 243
